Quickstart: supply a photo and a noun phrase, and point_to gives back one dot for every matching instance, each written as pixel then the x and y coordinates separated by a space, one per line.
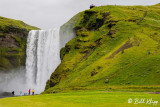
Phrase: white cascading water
pixel 42 57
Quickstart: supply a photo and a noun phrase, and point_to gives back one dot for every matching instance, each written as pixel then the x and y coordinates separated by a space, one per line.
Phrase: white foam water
pixel 42 57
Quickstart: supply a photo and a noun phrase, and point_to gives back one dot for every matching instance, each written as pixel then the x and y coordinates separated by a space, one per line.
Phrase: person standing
pixel 29 91
pixel 12 92
pixel 33 92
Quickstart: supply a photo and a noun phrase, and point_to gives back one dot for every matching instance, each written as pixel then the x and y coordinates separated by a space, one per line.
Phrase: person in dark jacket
pixel 12 92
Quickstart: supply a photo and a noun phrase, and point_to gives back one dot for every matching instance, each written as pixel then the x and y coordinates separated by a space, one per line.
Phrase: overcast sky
pixel 47 14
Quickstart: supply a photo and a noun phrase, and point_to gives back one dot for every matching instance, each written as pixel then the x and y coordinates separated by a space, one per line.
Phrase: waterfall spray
pixel 42 57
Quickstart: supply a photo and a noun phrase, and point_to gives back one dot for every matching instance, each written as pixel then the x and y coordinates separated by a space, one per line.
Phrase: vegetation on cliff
pixel 13 36
pixel 115 46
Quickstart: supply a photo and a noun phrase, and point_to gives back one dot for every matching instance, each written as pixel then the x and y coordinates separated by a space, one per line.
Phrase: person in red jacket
pixel 29 91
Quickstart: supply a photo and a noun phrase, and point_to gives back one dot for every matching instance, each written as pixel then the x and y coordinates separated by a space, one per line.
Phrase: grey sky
pixel 47 14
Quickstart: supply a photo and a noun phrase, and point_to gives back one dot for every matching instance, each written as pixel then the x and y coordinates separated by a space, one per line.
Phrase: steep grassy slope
pixel 13 35
pixel 115 46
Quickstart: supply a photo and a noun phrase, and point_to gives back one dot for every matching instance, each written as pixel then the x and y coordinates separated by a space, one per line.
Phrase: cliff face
pixel 13 36
pixel 114 46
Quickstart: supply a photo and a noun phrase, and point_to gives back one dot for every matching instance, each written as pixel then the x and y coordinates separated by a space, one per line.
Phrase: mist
pixel 13 80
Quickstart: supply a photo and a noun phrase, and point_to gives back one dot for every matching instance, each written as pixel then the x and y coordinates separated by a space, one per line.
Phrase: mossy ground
pixel 82 99
pixel 6 23
pixel 112 44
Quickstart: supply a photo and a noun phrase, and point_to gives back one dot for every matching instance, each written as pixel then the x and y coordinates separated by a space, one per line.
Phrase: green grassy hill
pixel 13 36
pixel 116 47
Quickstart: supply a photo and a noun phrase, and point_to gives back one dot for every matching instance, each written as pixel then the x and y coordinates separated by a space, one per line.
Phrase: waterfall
pixel 42 57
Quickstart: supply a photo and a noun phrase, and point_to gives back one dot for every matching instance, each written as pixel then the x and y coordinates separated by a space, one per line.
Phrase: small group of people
pixel 29 91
